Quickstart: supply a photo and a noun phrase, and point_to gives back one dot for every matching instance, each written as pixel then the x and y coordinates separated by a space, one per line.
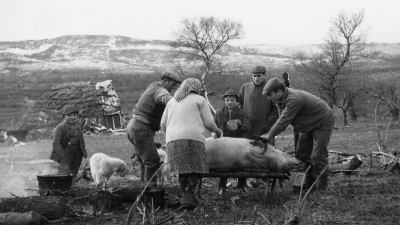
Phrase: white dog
pixel 103 166
pixel 164 174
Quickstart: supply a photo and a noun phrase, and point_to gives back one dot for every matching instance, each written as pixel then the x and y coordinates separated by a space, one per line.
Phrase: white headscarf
pixel 188 86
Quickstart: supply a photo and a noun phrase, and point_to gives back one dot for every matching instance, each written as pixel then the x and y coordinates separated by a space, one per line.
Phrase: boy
pixel 234 122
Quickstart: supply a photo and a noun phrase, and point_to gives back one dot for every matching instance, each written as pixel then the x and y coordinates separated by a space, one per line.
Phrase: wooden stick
pixel 385 154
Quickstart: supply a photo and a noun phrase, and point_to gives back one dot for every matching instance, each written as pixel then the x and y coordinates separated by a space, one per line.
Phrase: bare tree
pixel 355 87
pixel 331 68
pixel 388 91
pixel 204 37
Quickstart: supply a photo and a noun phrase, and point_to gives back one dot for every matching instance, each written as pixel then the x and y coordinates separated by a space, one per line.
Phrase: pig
pixel 236 154
pixel 242 154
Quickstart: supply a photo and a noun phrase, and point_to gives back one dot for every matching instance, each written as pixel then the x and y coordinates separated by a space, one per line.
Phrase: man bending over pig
pixel 314 120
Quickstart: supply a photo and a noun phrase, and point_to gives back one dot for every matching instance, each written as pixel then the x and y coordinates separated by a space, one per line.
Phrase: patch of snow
pixel 144 47
pixel 21 51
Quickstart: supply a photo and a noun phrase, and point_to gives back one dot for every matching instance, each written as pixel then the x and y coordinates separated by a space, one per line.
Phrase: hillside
pixel 28 68
pixel 124 54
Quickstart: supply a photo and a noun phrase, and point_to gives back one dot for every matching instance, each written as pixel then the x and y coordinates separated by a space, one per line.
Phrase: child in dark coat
pixel 234 122
pixel 68 143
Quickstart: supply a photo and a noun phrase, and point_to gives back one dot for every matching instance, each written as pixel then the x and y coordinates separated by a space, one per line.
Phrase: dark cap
pixel 70 109
pixel 259 69
pixel 172 75
pixel 230 92
pixel 273 85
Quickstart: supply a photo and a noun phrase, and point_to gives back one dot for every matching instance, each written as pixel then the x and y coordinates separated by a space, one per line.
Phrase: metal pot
pixel 53 184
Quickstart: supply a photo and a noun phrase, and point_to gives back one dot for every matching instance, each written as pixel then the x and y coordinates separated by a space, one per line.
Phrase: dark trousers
pixel 312 149
pixel 71 161
pixel 141 135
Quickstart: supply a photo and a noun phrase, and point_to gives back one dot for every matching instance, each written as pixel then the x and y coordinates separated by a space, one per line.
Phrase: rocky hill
pixel 125 54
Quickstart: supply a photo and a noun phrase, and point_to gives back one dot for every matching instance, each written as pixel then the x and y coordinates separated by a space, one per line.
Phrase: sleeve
pixel 82 143
pixel 207 117
pixel 217 118
pixel 162 96
pixel 58 150
pixel 164 118
pixel 290 111
pixel 274 115
pixel 241 96
pixel 245 122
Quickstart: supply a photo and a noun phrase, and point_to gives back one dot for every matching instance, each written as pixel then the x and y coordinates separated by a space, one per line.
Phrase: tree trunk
pixel 353 113
pixel 50 207
pixel 345 122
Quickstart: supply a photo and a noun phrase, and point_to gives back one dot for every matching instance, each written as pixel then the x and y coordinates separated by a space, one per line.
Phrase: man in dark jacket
pixel 261 111
pixel 146 121
pixel 68 143
pixel 313 119
pixel 234 123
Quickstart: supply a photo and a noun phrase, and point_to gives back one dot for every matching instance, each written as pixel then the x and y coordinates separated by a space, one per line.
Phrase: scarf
pixel 189 85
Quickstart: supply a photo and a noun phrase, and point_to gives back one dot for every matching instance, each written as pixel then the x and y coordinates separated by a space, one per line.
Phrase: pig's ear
pixel 257 143
pixel 259 138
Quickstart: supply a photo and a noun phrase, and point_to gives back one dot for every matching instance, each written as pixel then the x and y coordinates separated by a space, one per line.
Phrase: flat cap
pixel 230 92
pixel 70 109
pixel 172 75
pixel 272 85
pixel 259 69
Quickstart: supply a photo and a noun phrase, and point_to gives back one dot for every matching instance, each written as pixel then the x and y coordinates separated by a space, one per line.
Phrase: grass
pixel 360 198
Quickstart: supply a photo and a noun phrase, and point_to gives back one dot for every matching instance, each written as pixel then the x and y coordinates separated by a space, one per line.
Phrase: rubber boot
pixel 323 179
pixel 149 173
pixel 308 181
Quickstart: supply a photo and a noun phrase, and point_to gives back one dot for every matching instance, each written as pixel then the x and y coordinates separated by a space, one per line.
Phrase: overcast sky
pixel 281 22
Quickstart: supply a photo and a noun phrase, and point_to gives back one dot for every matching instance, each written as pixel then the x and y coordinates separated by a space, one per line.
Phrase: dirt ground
pixel 370 196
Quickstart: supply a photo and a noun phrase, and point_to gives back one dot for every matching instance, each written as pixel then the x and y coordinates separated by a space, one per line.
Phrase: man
pixel 234 123
pixel 146 119
pixel 261 110
pixel 313 119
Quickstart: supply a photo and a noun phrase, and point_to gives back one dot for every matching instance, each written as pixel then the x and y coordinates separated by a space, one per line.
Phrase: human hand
pixel 266 136
pixel 238 122
pixel 232 125
pixel 218 133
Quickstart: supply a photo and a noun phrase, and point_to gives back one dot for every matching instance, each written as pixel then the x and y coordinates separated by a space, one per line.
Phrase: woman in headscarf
pixel 184 121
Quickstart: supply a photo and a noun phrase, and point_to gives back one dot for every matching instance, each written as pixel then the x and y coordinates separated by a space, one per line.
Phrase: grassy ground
pixel 369 197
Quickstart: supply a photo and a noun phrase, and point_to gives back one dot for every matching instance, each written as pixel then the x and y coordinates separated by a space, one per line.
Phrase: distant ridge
pixel 126 54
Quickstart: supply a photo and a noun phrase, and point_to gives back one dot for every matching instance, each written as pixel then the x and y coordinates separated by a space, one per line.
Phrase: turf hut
pixel 97 103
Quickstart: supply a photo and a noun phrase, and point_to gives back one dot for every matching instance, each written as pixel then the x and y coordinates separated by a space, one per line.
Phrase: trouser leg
pixel 319 157
pixel 304 148
pixel 222 183
pixel 241 182
pixel 143 139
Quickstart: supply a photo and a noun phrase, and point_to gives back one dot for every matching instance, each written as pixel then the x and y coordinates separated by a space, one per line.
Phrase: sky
pixel 278 22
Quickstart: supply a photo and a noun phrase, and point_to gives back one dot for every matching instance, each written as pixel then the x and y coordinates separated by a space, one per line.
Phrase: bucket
pixel 54 184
